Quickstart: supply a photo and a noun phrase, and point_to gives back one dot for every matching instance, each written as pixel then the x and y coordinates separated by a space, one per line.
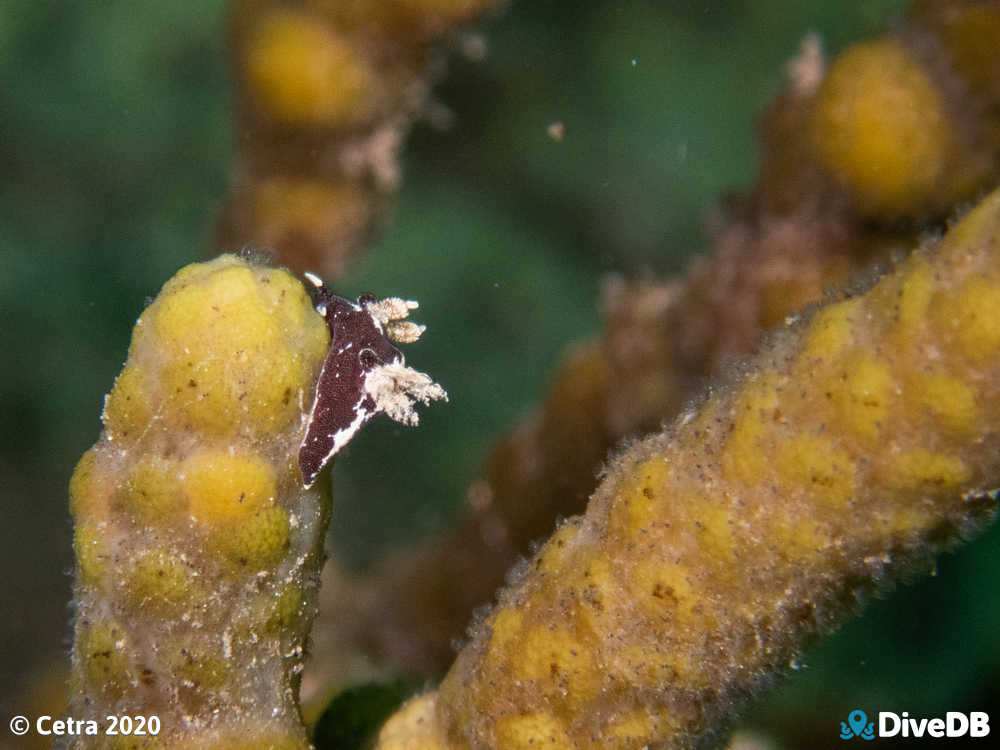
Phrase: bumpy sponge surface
pixel 853 447
pixel 198 551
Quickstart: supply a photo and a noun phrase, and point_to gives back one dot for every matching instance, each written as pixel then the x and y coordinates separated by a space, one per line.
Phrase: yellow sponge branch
pixel 326 92
pixel 851 449
pixel 198 550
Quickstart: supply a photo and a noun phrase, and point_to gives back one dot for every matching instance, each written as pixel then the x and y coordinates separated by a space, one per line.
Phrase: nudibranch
pixel 363 374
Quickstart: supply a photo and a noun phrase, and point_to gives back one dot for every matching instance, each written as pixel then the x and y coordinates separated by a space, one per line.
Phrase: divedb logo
pixel 954 724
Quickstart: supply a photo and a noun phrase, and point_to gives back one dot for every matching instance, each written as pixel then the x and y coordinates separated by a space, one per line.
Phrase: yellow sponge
pixel 194 537
pixel 221 486
pixel 303 73
pixel 880 125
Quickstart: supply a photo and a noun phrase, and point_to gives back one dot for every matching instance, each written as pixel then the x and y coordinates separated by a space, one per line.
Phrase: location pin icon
pixel 857 719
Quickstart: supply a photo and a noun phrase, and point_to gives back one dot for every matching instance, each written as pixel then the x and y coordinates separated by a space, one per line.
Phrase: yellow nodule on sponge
pixel 641 499
pixel 128 408
pixel 816 466
pixel 197 668
pixel 538 729
pixel 919 467
pixel 712 524
pixel 861 392
pixel 880 125
pixel 968 316
pixel 229 366
pixel 595 581
pixel 413 727
pixel 303 73
pixel 507 627
pixel 633 726
pixel 830 331
pixel 89 488
pixel 153 493
pixel 257 541
pixel 162 581
pixel 87 538
pixel 664 590
pixel 745 456
pixel 553 556
pixel 904 299
pixel 223 487
pixel 945 397
pixel 556 657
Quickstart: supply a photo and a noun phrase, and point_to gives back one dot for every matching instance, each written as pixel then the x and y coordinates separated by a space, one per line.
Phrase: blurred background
pixel 117 150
